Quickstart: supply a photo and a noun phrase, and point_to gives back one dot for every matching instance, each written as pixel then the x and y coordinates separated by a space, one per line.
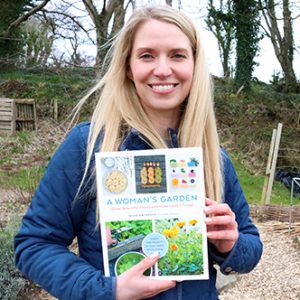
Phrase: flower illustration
pixel 193 222
pixel 167 233
pixel 174 231
pixel 174 247
pixel 171 232
pixel 180 224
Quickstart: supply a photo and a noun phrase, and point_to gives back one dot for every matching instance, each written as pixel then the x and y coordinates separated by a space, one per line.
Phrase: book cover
pixel 152 201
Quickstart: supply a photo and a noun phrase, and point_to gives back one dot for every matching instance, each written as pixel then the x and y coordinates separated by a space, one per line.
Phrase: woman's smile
pixel 163 88
pixel 161 68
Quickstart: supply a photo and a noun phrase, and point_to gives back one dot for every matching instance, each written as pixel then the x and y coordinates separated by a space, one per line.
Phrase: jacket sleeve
pixel 47 229
pixel 247 250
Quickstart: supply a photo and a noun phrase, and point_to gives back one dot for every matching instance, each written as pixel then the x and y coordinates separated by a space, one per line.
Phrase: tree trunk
pixel 111 9
pixel 283 45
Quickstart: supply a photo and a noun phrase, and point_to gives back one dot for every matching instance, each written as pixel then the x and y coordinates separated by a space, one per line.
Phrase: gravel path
pixel 277 276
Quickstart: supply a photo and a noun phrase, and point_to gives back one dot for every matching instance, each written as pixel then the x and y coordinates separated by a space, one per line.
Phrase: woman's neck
pixel 162 122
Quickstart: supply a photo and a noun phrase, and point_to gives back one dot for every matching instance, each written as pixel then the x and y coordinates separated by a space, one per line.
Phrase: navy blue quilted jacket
pixel 54 219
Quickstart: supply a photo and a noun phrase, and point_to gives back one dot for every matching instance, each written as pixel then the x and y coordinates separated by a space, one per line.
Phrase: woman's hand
pixel 109 240
pixel 222 229
pixel 133 285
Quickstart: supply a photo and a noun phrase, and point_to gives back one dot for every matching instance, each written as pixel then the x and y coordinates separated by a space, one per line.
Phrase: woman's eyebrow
pixel 143 49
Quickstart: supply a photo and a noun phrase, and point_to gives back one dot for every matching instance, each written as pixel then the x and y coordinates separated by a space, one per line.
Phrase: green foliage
pixel 253 185
pixel 11 282
pixel 133 228
pixel 10 44
pixel 184 255
pixel 128 260
pixel 66 86
pixel 247 38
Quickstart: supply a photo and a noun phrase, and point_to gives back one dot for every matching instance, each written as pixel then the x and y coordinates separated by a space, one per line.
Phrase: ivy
pixel 247 38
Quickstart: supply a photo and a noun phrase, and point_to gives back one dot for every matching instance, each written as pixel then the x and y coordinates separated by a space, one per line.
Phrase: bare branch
pixel 111 6
pixel 74 19
pixel 24 17
pixel 91 9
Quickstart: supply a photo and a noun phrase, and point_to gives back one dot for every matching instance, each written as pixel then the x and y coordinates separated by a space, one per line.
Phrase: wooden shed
pixel 17 115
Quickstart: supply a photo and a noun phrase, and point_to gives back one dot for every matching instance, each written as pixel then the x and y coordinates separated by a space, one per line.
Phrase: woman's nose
pixel 162 68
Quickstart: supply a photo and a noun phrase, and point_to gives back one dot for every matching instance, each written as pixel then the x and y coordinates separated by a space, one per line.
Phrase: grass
pixel 25 179
pixel 66 86
pixel 28 179
pixel 253 185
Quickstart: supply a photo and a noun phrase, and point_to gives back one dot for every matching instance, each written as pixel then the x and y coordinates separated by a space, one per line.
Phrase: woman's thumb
pixel 147 262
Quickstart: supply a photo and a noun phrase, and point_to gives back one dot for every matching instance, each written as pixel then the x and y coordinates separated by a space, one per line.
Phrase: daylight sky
pixel 267 61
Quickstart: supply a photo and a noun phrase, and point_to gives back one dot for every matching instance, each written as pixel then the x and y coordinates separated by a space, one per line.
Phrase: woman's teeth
pixel 163 87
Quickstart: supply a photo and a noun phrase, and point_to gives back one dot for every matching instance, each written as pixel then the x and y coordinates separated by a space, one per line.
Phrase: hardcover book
pixel 152 201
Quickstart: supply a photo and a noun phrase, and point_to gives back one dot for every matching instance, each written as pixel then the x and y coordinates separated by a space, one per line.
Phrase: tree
pixel 111 11
pixel 10 42
pixel 247 38
pixel 283 41
pixel 38 41
pixel 107 20
pixel 220 21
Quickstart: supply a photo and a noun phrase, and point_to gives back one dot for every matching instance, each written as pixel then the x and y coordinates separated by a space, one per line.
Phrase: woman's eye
pixel 179 55
pixel 146 56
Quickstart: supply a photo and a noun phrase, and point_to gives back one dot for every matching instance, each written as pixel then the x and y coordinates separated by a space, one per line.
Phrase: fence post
pixel 55 110
pixel 274 162
pixel 268 168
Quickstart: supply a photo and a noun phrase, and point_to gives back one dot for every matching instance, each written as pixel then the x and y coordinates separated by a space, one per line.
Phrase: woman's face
pixel 161 67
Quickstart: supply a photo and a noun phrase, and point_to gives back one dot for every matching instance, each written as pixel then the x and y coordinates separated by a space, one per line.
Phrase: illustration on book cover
pixel 152 201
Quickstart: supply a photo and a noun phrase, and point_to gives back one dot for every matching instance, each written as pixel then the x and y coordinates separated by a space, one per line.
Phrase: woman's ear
pixel 129 73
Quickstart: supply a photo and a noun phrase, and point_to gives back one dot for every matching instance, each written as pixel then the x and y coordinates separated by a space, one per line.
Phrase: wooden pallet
pixel 16 115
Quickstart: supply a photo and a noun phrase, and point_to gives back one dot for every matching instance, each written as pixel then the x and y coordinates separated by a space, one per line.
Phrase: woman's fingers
pixel 132 284
pixel 218 209
pixel 210 201
pixel 220 220
pixel 146 263
pixel 226 235
pixel 222 228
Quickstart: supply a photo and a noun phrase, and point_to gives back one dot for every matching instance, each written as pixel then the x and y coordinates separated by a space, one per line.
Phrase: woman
pixel 156 94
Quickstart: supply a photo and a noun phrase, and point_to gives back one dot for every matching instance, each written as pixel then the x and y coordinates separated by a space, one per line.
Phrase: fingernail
pixel 208 220
pixel 154 255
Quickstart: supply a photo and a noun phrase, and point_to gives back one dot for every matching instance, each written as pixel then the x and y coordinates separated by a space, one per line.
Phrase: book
pixel 152 201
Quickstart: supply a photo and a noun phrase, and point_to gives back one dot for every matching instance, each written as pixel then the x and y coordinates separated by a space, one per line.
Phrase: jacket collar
pixel 136 141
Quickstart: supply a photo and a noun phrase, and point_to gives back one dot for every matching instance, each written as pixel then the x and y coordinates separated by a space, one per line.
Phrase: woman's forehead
pixel 154 33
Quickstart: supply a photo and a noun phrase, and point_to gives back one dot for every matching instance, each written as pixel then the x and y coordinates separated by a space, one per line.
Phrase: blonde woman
pixel 156 93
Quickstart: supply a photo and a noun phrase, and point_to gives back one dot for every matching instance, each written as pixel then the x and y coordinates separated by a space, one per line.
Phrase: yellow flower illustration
pixel 193 222
pixel 174 231
pixel 167 233
pixel 180 224
pixel 171 232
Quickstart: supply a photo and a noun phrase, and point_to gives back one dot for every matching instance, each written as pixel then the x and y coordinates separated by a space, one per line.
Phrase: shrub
pixel 11 281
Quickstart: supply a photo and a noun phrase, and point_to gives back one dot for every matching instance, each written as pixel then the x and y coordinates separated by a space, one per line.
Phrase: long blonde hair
pixel 119 108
